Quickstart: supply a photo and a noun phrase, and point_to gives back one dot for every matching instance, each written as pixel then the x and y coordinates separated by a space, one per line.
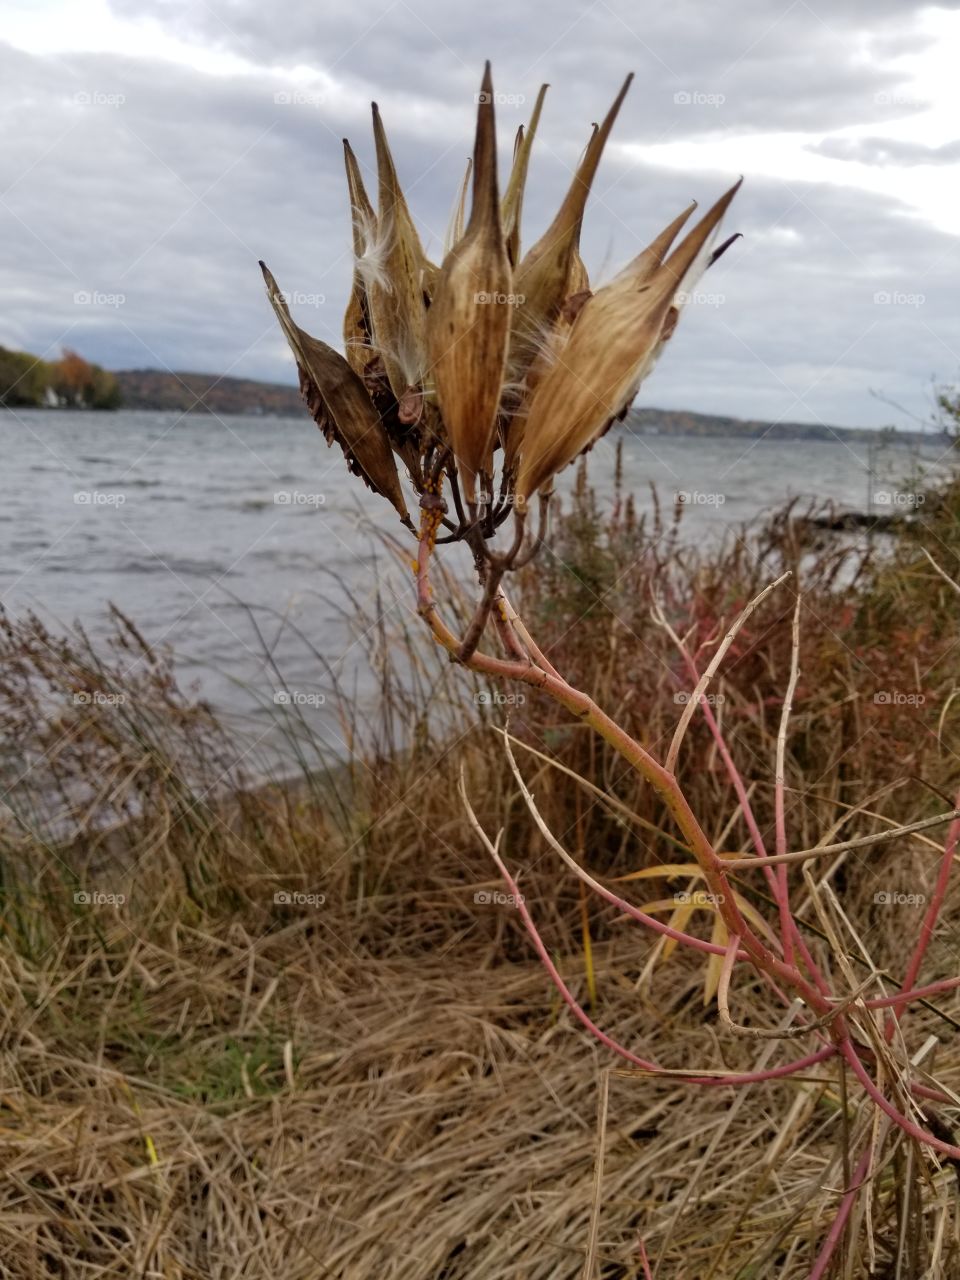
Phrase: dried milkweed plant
pixel 482 378
pixel 465 388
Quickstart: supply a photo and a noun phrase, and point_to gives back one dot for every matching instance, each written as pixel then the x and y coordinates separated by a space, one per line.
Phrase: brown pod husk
pixel 611 347
pixel 401 277
pixel 340 405
pixel 544 278
pixel 512 206
pixel 459 217
pixel 469 322
pixel 357 327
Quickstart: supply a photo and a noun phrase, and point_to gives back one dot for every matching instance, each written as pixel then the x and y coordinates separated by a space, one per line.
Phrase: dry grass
pixel 203 1082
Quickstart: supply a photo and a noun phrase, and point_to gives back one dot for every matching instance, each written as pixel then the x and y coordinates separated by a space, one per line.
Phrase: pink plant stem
pixel 752 1077
pixel 835 1234
pixel 787 921
pixel 887 1107
pixel 931 915
pixel 916 993
pixel 663 781
pixel 644 1260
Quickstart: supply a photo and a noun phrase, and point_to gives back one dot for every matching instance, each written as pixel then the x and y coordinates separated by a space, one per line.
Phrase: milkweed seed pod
pixel 340 405
pixel 445 364
pixel 543 278
pixel 398 273
pixel 612 346
pixel 469 320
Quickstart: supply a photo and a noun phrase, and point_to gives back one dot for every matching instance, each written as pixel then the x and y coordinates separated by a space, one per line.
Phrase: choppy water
pixel 188 523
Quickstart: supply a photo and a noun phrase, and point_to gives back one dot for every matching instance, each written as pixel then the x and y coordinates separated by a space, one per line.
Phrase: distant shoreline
pixel 149 391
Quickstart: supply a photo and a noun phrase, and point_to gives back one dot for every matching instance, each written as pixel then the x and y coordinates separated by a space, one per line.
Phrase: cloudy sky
pixel 153 150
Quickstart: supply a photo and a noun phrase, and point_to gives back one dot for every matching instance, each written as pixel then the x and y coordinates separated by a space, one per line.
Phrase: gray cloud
pixel 887 151
pixel 141 180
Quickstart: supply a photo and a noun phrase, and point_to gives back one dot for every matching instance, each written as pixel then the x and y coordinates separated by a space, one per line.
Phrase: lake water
pixel 220 536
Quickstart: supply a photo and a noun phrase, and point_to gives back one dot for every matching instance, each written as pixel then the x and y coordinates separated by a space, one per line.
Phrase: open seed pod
pixel 612 346
pixel 445 364
pixel 551 271
pixel 469 321
pixel 399 273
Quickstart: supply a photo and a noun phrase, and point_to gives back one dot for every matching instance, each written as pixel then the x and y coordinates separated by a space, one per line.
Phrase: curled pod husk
pixel 340 405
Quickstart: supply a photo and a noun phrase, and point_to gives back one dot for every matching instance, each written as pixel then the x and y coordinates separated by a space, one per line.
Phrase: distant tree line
pixel 70 382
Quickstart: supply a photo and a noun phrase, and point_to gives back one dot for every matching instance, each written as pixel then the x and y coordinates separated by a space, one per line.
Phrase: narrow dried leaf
pixel 679 921
pixel 711 977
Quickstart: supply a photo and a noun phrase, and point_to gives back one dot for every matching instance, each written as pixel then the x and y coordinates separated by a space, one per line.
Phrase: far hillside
pixel 26 381
pixel 205 393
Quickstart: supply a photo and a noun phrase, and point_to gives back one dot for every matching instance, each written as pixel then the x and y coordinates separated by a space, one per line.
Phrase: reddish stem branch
pixel 931 915
pixel 711 866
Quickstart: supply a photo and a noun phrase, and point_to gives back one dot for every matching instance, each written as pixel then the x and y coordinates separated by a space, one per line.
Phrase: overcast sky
pixel 153 150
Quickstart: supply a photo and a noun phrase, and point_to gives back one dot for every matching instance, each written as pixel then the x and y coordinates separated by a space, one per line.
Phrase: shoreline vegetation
pixel 224 1038
pixel 72 383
